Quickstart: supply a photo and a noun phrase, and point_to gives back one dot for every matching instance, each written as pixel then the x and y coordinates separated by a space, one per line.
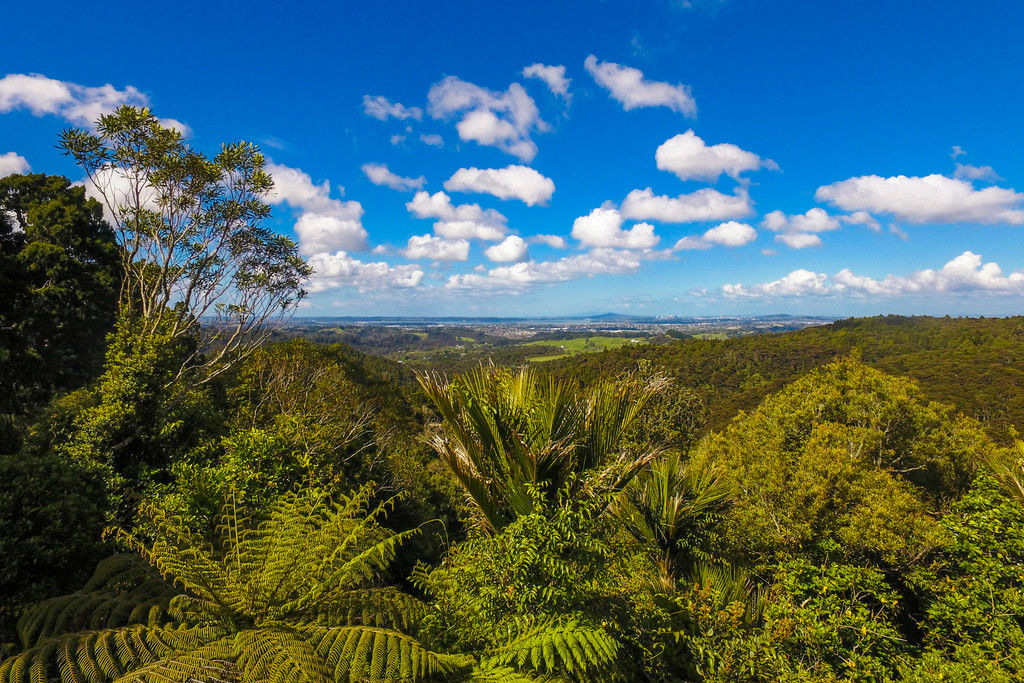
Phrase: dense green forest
pixel 185 498
pixel 975 364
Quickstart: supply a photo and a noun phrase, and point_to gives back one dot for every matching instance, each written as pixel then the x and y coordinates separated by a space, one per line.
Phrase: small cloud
pixel 965 274
pixel 468 221
pixel 553 76
pixel 553 241
pixel 512 182
pixel 11 164
pixel 957 151
pixel 337 270
pixel 706 204
pixel 689 158
pixel 78 104
pixel 434 248
pixel 325 224
pixel 628 86
pixel 512 248
pixel 930 199
pixel 730 234
pixel 505 120
pixel 379 174
pixel 432 139
pixel 381 108
pixel 602 227
pixel 982 173
pixel 862 218
pixel 800 231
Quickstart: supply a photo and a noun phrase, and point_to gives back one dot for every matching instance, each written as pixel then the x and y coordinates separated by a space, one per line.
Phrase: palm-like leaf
pixel 292 598
pixel 670 505
pixel 1008 467
pixel 507 435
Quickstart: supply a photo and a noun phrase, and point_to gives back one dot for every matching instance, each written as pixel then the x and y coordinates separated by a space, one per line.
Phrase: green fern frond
pixel 102 655
pixel 357 653
pixel 208 662
pixel 380 607
pixel 288 599
pixel 505 674
pixel 554 647
pixel 122 591
pixel 279 652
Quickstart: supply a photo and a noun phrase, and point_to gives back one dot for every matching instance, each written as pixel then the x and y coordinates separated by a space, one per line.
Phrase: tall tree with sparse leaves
pixel 195 250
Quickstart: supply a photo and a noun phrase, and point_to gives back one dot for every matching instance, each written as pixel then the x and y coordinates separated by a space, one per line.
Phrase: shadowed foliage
pixel 290 598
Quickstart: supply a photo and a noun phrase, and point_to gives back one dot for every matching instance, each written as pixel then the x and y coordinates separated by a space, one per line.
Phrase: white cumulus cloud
pixel 553 241
pixel 801 230
pixel 688 157
pixel 602 227
pixel 553 77
pixel 512 248
pixel 382 108
pixel 512 182
pixel 11 163
pixel 436 248
pixel 520 276
pixel 965 274
pixel 929 199
pixel 333 271
pixel 78 104
pixel 504 120
pixel 862 218
pixel 730 234
pixel 628 86
pixel 432 139
pixel 703 205
pixel 463 221
pixel 379 174
pixel 325 224
pixel 319 233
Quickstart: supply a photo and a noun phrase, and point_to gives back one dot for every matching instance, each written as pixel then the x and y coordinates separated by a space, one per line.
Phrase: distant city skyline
pixel 701 158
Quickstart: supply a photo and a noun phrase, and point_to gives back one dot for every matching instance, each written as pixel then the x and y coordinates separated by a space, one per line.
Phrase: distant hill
pixel 975 364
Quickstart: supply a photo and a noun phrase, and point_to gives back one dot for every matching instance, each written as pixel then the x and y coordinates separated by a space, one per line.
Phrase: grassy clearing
pixel 569 347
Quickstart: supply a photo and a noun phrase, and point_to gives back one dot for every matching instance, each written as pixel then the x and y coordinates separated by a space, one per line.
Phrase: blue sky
pixel 542 158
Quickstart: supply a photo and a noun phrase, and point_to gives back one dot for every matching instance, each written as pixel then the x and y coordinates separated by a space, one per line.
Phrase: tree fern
pixel 559 648
pixel 123 590
pixel 289 598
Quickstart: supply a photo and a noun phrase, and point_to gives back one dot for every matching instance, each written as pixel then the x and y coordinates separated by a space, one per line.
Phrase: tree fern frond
pixel 288 599
pixel 278 653
pixel 380 607
pixel 557 647
pixel 357 653
pixel 209 662
pixel 100 655
pixel 122 591
pixel 506 674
